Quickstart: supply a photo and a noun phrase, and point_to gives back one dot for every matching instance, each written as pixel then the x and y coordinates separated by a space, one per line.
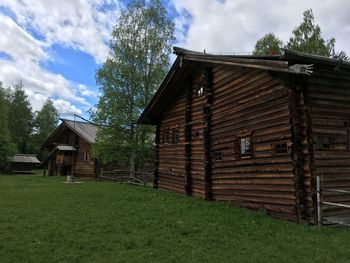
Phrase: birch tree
pixel 139 58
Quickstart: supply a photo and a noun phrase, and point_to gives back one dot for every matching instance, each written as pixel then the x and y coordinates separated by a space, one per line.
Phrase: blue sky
pixel 55 47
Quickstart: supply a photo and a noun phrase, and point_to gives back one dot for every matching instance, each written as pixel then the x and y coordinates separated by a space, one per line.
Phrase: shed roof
pixel 290 62
pixel 24 158
pixel 65 148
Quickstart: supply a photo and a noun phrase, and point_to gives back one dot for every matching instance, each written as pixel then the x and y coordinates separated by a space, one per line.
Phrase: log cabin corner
pixel 254 130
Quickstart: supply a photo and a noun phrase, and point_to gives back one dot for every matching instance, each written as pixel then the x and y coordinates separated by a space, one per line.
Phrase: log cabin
pixel 69 148
pixel 23 163
pixel 254 131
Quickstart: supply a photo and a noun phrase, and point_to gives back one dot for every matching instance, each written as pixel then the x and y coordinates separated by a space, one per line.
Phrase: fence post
pixel 319 201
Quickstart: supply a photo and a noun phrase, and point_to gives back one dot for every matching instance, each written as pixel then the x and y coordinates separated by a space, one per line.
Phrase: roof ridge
pixel 65 120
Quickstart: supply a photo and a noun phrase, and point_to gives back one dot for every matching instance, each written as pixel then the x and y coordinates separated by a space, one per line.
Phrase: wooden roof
pixel 87 131
pixel 187 61
pixel 24 158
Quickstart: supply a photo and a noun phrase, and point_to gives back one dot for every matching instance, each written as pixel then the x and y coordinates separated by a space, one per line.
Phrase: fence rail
pixel 320 202
pixel 118 175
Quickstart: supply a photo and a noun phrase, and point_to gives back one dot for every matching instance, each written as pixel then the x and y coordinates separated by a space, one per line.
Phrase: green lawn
pixel 44 220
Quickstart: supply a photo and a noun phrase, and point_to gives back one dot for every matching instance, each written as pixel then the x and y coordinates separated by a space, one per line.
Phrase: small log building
pixel 23 163
pixel 254 130
pixel 69 149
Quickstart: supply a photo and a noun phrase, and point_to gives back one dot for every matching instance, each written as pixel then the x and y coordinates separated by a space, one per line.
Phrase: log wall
pixel 181 166
pixel 239 103
pixel 328 98
pixel 84 167
pixel 171 157
pixel 252 103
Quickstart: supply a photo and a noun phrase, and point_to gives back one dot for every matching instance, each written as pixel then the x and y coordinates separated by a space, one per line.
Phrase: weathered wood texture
pixel 301 152
pixel 254 103
pixel 171 165
pixel 244 101
pixel 256 137
pixel 84 162
pixel 328 96
pixel 181 165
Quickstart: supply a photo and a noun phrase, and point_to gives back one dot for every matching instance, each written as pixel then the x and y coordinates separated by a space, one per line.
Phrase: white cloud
pixel 235 26
pixel 65 108
pixel 85 91
pixel 83 25
pixel 18 43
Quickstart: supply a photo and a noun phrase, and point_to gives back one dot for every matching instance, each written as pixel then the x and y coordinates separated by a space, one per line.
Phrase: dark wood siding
pixel 84 166
pixel 252 103
pixel 328 98
pixel 171 167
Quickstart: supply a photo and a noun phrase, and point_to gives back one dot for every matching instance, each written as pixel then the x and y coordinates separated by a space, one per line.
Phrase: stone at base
pixel 70 179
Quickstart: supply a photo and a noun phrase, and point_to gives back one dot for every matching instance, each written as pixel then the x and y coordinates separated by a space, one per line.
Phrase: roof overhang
pixel 24 158
pixel 188 61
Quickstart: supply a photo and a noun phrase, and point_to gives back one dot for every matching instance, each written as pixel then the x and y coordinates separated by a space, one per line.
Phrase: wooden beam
pixel 297 151
pixel 188 128
pixel 295 69
pixel 156 159
pixel 208 92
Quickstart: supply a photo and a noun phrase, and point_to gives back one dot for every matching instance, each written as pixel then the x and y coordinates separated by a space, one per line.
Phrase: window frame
pixel 320 139
pixel 245 134
pixel 278 151
pixel 200 91
pixel 166 136
pixel 175 131
pixel 86 157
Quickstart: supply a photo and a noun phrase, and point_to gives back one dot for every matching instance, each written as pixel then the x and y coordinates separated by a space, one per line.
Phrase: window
pixel 175 136
pixel 200 91
pixel 324 142
pixel 196 136
pixel 166 136
pixel 86 157
pixel 280 148
pixel 245 148
pixel 218 156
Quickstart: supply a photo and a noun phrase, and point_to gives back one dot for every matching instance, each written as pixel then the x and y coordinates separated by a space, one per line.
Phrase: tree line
pixel 306 38
pixel 21 129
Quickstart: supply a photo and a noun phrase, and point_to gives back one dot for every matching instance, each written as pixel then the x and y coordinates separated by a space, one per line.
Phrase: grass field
pixel 44 220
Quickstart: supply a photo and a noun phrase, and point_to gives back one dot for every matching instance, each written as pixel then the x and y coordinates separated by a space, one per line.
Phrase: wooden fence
pixel 322 204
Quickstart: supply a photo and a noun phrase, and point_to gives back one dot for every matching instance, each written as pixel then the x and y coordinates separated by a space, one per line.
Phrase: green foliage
pixel 307 38
pixel 45 122
pixel 268 45
pixel 341 55
pixel 123 223
pixel 20 118
pixel 139 58
pixel 7 148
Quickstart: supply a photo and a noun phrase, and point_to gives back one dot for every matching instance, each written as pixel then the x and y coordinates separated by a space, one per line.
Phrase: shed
pixel 254 131
pixel 69 148
pixel 23 163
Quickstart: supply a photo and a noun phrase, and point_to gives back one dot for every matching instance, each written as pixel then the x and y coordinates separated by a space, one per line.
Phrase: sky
pixel 55 47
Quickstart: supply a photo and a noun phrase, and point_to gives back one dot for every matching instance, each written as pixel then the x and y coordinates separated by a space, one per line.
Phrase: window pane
pixel 281 148
pixel 165 136
pixel 175 136
pixel 245 146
